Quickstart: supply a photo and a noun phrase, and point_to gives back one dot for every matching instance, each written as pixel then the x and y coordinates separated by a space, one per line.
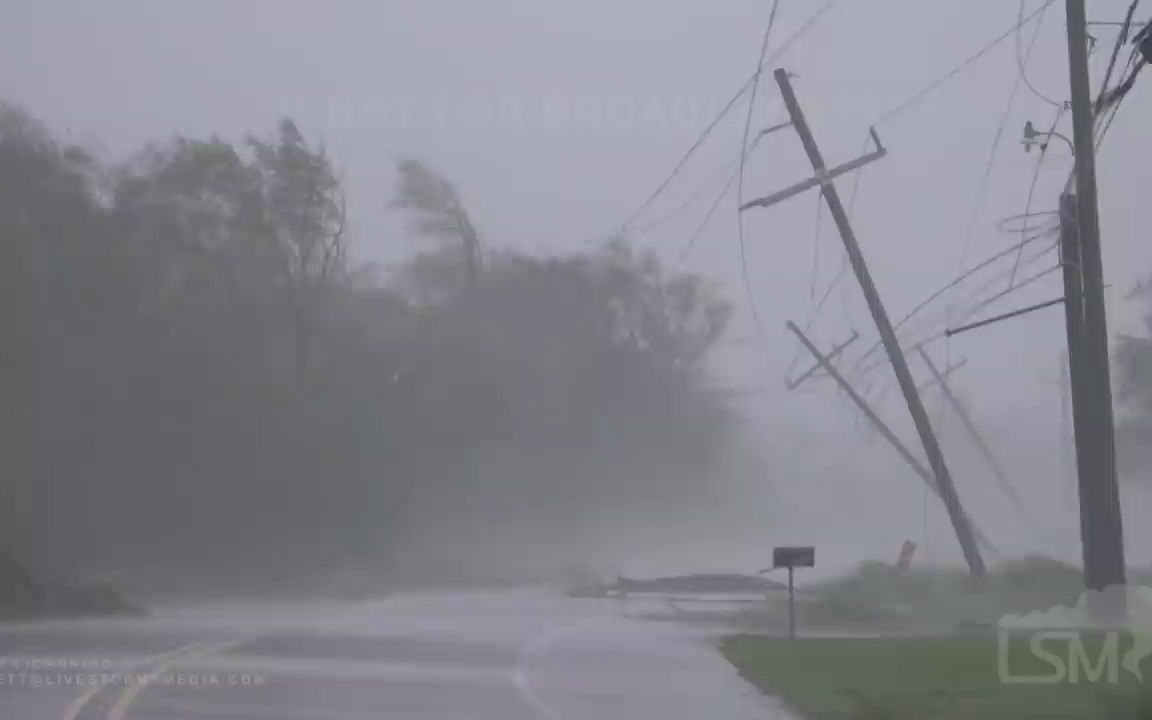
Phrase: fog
pixel 215 386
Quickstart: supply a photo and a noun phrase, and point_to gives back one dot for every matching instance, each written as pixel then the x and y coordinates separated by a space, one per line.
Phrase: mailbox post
pixel 792 558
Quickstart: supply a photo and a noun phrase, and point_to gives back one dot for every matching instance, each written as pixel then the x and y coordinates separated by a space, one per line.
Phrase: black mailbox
pixel 793 557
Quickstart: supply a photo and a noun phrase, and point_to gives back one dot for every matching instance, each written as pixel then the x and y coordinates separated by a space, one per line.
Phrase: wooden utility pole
pixel 1081 405
pixel 824 180
pixel 825 363
pixel 1067 436
pixel 1101 527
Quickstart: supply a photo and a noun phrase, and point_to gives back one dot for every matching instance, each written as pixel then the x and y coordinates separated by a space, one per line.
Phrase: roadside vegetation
pixel 877 598
pixel 204 389
pixel 924 643
pixel 27 595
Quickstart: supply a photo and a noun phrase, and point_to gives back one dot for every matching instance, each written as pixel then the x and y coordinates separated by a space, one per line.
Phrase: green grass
pixel 954 678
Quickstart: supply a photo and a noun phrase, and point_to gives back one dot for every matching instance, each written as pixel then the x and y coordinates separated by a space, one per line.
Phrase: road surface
pixel 523 655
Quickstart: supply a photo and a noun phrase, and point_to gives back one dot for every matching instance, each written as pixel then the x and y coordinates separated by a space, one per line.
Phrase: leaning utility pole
pixel 824 179
pixel 1101 527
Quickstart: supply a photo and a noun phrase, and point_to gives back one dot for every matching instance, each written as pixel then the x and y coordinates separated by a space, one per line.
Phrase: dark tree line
pixel 1134 397
pixel 197 384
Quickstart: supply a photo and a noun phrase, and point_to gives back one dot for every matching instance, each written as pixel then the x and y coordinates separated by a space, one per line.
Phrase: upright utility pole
pixel 1067 436
pixel 1101 526
pixel 1077 371
pixel 824 179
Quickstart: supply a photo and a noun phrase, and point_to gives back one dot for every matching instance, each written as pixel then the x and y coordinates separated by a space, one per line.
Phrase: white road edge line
pixel 533 647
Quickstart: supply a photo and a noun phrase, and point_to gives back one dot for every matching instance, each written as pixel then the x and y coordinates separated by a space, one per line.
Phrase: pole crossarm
pixel 835 353
pixel 934 381
pixel 822 178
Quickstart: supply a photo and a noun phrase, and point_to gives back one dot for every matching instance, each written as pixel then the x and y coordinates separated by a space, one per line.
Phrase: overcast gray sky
pixel 558 119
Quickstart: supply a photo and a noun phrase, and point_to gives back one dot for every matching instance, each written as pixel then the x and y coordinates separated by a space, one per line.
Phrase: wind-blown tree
pixel 306 213
pixel 438 212
pixel 601 415
pixel 197 385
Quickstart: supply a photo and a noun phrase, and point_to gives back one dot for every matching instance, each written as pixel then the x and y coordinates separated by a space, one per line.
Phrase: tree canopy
pixel 196 384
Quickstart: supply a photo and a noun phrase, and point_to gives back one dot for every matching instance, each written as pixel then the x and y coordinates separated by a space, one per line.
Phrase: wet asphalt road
pixel 523 655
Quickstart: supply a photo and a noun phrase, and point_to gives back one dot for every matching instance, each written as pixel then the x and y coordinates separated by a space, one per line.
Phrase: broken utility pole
pixel 824 180
pixel 825 363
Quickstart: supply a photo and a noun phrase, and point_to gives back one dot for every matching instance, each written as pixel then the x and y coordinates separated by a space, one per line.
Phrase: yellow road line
pixel 133 691
pixel 78 705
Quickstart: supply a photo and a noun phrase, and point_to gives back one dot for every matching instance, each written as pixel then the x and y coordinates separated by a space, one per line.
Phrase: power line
pixel 996 139
pixel 840 274
pixel 1137 63
pixel 976 303
pixel 1032 187
pixel 685 205
pixel 977 294
pixel 733 176
pixel 1120 40
pixel 1002 225
pixel 958 280
pixel 727 176
pixel 935 330
pixel 1004 293
pixel 748 84
pixel 917 98
pixel 743 159
pixel 920 95
pixel 698 232
pixel 1109 99
pixel 851 217
pixel 1022 60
